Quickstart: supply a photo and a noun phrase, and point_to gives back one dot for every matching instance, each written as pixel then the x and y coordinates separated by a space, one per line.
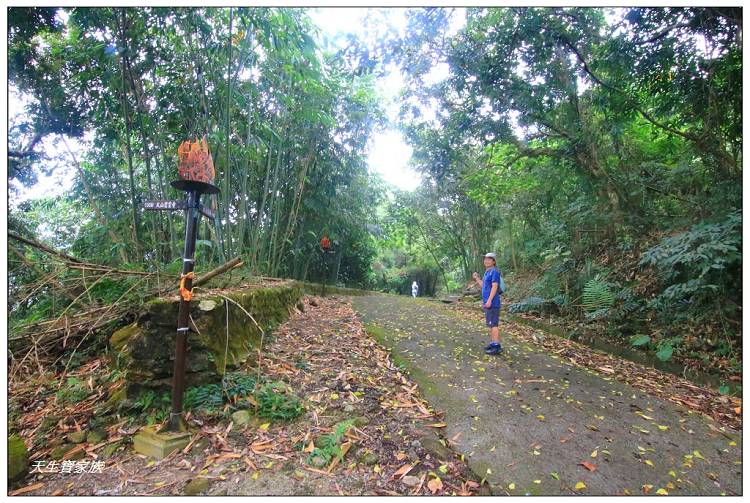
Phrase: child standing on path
pixel 491 302
pixel 414 289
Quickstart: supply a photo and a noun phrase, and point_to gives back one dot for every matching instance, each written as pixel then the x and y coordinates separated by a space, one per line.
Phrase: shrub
pixel 699 266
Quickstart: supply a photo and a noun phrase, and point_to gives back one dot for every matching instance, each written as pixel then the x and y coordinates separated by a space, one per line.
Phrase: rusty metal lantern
pixel 325 243
pixel 196 167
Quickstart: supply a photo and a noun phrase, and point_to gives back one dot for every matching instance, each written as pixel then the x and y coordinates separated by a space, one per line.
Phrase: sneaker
pixel 488 346
pixel 494 349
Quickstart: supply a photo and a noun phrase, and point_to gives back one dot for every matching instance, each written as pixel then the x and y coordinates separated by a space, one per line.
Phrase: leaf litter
pixel 326 356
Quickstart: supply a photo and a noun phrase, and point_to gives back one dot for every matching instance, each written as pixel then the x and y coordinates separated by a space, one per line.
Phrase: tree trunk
pixel 128 152
pixel 512 244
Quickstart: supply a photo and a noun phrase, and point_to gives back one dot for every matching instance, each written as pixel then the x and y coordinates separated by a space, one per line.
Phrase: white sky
pixel 389 155
pixel 60 178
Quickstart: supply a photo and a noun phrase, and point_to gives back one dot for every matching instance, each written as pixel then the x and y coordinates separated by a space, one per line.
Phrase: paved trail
pixel 525 420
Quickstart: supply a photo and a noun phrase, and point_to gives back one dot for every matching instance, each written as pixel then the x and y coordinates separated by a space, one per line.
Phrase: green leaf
pixel 665 353
pixel 640 340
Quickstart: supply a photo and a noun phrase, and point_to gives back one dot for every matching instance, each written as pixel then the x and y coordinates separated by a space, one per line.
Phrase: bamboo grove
pixel 286 121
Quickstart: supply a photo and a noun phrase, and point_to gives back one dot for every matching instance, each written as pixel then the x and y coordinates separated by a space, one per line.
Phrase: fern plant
pixel 275 401
pixel 237 385
pixel 208 398
pixel 597 296
pixel 329 445
pixel 527 304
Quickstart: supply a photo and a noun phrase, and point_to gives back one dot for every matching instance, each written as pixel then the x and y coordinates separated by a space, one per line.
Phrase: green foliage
pixel 237 385
pixel 208 398
pixel 640 340
pixel 698 266
pixel 154 407
pixel 329 446
pixel 109 290
pixel 529 304
pixel 665 352
pixel 276 401
pixel 233 389
pixel 288 134
pixel 597 296
pixel 72 392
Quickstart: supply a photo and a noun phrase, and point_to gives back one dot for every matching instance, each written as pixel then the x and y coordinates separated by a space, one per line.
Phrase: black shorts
pixel 492 316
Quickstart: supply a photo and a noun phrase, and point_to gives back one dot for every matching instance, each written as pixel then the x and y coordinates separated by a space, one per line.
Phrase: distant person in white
pixel 414 289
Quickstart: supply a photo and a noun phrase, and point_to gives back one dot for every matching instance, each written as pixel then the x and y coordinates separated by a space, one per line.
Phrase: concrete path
pixel 526 421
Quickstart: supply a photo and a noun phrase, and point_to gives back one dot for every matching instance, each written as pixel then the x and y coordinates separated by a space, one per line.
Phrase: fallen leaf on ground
pixel 402 471
pixel 26 489
pixel 436 425
pixel 589 466
pixel 435 485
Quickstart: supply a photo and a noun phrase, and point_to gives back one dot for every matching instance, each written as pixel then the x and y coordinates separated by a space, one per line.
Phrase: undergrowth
pixel 329 445
pixel 270 400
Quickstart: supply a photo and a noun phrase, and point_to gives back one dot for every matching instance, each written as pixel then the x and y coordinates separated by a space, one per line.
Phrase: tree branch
pixel 631 100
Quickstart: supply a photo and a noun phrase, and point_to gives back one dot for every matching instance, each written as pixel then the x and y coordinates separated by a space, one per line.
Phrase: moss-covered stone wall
pixel 222 335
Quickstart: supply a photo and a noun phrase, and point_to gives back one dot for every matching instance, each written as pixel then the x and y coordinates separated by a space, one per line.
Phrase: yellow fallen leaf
pixel 264 426
pixel 580 486
pixel 662 491
pixel 594 454
pixel 698 455
pixel 443 469
pixel 334 396
pixel 540 417
pixel 732 443
pixel 255 475
pixel 537 481
pixel 672 473
pixel 662 427
pixel 511 486
pixel 649 462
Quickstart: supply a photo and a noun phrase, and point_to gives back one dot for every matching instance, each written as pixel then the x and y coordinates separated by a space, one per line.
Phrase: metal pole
pixel 176 422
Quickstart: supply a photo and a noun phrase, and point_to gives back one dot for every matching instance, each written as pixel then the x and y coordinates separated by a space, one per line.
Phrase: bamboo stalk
pixel 235 262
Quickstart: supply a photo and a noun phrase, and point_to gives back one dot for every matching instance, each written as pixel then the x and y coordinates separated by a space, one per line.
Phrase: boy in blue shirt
pixel 491 302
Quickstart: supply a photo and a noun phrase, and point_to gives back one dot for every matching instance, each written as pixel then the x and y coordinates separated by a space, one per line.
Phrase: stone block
pixel 159 445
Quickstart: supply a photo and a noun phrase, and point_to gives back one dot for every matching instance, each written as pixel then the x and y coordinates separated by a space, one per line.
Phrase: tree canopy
pixel 598 151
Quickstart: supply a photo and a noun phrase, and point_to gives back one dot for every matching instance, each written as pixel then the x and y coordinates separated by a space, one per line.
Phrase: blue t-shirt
pixel 491 276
